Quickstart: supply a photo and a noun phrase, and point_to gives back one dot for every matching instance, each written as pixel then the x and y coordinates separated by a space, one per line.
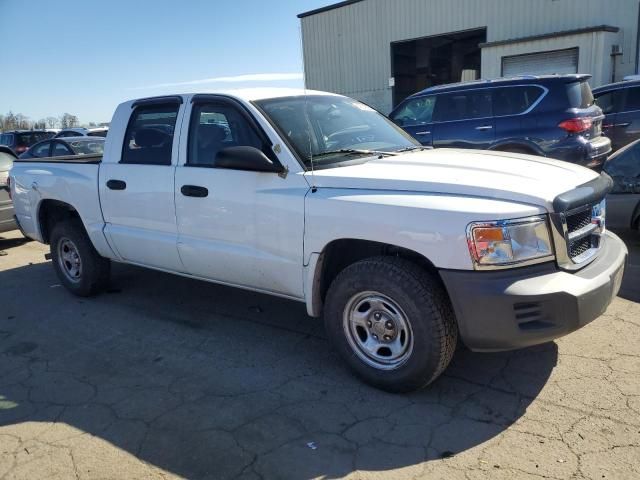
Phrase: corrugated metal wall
pixel 347 50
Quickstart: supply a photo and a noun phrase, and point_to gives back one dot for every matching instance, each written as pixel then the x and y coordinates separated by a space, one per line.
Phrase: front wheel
pixel 77 263
pixel 392 322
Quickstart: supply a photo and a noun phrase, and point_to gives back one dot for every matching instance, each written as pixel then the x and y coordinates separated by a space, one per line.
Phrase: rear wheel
pixel 77 263
pixel 392 322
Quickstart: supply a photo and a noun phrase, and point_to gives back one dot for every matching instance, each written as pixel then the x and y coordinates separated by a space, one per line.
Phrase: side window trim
pixel 544 89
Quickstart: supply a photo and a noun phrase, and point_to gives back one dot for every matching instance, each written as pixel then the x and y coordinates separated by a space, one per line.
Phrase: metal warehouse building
pixel 380 51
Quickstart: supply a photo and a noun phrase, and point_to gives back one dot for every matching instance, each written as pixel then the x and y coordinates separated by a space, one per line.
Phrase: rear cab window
pixel 149 136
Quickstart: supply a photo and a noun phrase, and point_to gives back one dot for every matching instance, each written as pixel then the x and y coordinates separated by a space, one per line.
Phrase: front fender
pixel 432 225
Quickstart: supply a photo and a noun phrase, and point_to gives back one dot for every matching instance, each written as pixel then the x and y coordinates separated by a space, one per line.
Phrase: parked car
pixel 21 140
pixel 57 147
pixel 6 207
pixel 552 116
pixel 620 103
pixel 318 198
pixel 83 132
pixel 623 203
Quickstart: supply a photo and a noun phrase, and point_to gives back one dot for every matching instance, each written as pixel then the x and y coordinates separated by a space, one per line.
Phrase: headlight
pixel 508 242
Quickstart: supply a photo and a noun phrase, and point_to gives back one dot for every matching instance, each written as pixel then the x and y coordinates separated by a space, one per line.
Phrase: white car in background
pixel 83 132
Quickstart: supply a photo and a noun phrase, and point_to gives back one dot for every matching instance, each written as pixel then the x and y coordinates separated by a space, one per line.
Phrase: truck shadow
pixel 630 288
pixel 206 381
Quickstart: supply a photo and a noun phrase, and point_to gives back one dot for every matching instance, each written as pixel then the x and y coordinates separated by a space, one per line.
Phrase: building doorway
pixel 424 62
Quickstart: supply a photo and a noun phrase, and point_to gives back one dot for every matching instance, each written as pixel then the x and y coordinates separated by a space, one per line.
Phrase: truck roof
pixel 248 94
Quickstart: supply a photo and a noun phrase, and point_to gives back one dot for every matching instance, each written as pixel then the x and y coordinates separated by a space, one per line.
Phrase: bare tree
pixel 52 122
pixel 68 120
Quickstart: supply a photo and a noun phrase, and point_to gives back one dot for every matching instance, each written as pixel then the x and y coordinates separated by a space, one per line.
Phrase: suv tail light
pixel 21 149
pixel 577 125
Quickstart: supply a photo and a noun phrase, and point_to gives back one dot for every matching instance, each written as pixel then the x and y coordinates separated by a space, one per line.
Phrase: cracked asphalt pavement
pixel 165 377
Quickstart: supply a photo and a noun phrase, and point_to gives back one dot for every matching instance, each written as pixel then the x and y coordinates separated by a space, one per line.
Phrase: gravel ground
pixel 164 377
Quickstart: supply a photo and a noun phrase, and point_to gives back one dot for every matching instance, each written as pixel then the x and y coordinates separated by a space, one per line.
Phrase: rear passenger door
pixel 464 120
pixel 136 186
pixel 611 103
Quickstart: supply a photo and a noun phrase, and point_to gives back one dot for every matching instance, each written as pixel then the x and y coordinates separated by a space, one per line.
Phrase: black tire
pixel 419 296
pixel 93 276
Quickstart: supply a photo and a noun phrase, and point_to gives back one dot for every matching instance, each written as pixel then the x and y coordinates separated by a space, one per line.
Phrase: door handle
pixel 423 133
pixel 194 191
pixel 622 124
pixel 116 185
pixel 484 127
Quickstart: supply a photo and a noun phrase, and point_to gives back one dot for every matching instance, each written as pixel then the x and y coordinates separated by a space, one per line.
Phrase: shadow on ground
pixel 211 382
pixel 630 289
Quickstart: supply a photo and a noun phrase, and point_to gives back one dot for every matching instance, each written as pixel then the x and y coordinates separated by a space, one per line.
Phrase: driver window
pixel 418 111
pixel 41 150
pixel 215 126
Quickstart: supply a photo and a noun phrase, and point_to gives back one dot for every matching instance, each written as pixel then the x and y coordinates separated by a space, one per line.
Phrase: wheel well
pixel 339 254
pixel 52 212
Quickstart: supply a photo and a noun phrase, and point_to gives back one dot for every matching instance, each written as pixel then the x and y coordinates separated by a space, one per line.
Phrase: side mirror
pixel 246 158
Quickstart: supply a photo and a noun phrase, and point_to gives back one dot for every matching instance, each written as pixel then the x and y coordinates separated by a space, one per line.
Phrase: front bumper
pixel 509 309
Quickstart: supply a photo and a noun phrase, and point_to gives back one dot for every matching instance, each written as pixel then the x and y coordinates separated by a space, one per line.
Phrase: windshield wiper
pixel 355 151
pixel 413 148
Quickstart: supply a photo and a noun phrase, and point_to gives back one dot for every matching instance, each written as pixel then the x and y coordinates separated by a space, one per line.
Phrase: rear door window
pixel 41 150
pixel 60 149
pixel 418 111
pixel 463 106
pixel 149 136
pixel 610 102
pixel 579 95
pixel 515 100
pixel 633 99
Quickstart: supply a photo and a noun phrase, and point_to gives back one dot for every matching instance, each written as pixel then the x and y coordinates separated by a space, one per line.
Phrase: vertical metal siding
pixel 347 50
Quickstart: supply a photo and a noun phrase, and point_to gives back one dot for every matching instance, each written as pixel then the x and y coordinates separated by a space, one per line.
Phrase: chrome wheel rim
pixel 378 331
pixel 69 260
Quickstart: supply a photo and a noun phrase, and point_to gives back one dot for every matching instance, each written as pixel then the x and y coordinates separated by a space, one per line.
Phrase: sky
pixel 86 57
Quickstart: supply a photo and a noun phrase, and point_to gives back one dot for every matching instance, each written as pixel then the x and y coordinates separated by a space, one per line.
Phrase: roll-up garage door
pixel 543 63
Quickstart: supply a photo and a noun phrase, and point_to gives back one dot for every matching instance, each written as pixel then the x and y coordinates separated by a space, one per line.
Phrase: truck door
pixel 136 184
pixel 236 227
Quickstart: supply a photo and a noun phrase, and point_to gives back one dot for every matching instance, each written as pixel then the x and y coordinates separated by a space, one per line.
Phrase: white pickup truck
pixel 318 198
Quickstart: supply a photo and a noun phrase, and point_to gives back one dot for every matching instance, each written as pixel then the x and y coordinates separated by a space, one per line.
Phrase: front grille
pixel 581 234
pixel 578 247
pixel 578 220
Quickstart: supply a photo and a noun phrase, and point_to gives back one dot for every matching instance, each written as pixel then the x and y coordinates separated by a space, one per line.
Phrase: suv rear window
pixel 515 100
pixel 579 94
pixel 6 139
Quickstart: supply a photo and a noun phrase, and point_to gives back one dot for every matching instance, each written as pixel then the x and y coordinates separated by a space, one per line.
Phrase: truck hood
pixel 477 173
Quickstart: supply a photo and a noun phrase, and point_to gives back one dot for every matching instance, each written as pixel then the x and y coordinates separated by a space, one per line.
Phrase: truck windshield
pixel 330 129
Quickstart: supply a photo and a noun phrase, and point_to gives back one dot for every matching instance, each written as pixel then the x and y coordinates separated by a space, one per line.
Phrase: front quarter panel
pixel 433 225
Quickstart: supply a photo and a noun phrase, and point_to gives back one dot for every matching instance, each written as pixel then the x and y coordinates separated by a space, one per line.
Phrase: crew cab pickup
pixel 318 198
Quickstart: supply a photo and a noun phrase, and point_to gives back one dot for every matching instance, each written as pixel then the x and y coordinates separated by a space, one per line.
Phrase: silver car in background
pixel 6 207
pixel 623 203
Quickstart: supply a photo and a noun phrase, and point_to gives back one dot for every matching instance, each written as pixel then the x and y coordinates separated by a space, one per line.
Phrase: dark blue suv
pixel 554 116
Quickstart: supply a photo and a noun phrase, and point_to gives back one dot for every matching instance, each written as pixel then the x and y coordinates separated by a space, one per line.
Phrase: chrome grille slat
pixel 577 235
